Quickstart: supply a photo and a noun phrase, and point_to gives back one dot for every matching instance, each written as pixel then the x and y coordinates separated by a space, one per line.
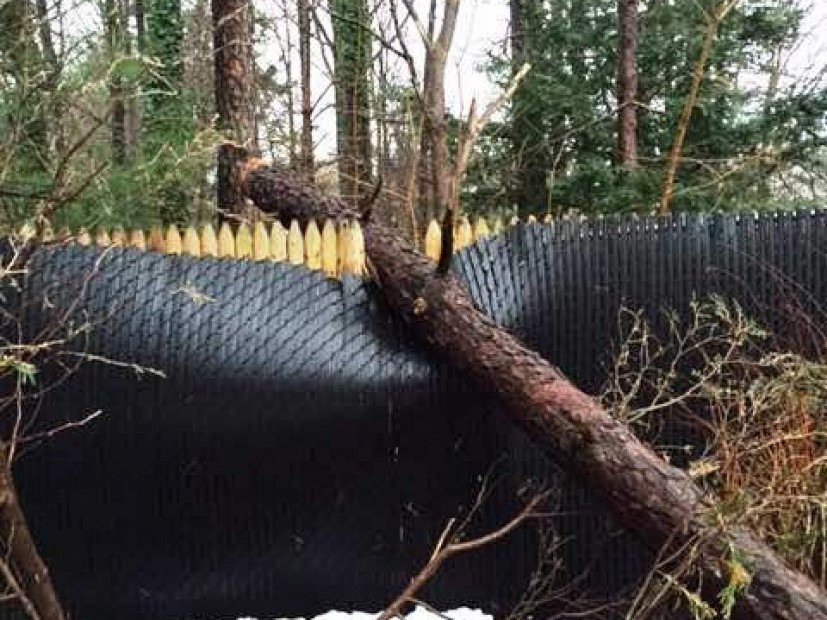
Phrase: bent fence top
pixel 304 452
pixel 335 248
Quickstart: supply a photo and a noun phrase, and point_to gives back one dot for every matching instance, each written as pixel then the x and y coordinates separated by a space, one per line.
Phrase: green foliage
pixel 352 61
pixel 165 32
pixel 69 159
pixel 26 371
pixel 755 399
pixel 742 145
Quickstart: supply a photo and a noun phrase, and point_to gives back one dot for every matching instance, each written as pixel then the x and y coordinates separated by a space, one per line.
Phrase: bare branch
pixel 420 27
pixel 443 552
pixel 475 125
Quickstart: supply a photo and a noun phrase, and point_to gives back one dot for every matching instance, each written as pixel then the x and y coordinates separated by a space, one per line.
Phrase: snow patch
pixel 420 613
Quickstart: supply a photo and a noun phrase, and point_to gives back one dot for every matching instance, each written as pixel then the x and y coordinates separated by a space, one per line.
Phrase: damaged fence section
pixel 303 452
pixel 335 248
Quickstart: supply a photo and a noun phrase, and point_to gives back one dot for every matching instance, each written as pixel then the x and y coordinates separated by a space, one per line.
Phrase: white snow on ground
pixel 420 613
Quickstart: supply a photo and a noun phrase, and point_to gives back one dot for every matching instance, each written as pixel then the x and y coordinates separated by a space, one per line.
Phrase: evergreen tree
pixel 562 125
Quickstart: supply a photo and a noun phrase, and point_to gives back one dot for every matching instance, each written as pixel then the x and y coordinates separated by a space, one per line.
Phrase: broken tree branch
pixel 443 552
pixel 475 125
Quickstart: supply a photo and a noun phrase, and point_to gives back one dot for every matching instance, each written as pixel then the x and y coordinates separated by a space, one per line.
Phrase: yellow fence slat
pixel 226 241
pixel 278 242
pixel 481 229
pixel 333 248
pixel 344 247
pixel 156 239
pixel 295 244
pixel 191 243
pixel 173 240
pixel 463 235
pixel 102 238
pixel 532 219
pixel 27 231
pixel 209 241
pixel 243 242
pixel 351 248
pixel 313 246
pixel 548 218
pixel 137 239
pixel 359 259
pixel 433 240
pixel 119 236
pixel 329 254
pixel 261 242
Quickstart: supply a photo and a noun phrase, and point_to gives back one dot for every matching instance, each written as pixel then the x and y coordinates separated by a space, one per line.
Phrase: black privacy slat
pixel 303 452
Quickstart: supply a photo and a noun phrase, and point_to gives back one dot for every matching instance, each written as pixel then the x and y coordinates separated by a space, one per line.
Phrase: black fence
pixel 303 452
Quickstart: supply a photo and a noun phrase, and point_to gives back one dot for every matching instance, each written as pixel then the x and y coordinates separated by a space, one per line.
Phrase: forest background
pixel 112 112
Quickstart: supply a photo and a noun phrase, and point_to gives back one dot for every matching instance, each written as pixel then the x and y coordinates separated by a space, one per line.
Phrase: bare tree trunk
pixel 140 26
pixel 352 55
pixel 423 174
pixel 132 118
pixel 528 191
pixel 713 22
pixel 21 564
pixel 433 156
pixel 287 59
pixel 306 164
pixel 659 502
pixel 117 120
pixel 517 35
pixel 52 110
pixel 627 84
pixel 380 102
pixel 47 43
pixel 232 46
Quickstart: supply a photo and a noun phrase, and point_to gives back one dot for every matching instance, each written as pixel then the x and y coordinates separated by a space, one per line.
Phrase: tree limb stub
pixel 658 502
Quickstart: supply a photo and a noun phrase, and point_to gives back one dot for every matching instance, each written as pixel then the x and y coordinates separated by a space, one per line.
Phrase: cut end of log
pixel 246 166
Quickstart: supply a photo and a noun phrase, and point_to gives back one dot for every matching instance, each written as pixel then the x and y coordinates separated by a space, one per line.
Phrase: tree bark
pixel 627 83
pixel 35 590
pixel 132 114
pixel 657 501
pixel 52 110
pixel 117 107
pixel 140 26
pixel 530 159
pixel 232 46
pixel 306 164
pixel 287 63
pixel 352 61
pixel 433 158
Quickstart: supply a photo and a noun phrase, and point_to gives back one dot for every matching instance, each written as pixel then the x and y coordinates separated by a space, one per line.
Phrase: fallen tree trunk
pixel 657 501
